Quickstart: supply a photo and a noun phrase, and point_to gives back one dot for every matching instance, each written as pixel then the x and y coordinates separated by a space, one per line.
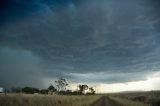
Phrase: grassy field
pixel 46 100
pixel 124 99
pixel 137 98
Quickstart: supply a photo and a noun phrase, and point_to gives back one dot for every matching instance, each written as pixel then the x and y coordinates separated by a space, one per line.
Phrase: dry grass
pixel 48 100
pixel 151 98
pixel 125 102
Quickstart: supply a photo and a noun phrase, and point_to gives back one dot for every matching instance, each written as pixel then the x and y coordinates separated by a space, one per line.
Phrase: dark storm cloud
pixel 12 10
pixel 73 37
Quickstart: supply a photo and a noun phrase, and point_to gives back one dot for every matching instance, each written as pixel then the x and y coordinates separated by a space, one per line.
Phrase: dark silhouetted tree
pixel 61 84
pixel 82 88
pixel 44 91
pixel 92 91
pixel 30 90
pixel 52 89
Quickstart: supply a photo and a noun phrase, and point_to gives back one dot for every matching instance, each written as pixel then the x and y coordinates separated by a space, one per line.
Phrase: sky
pixel 111 44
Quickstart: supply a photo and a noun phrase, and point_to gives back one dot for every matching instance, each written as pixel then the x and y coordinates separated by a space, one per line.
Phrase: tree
pixel 68 92
pixel 61 84
pixel 44 91
pixel 35 90
pixel 27 90
pixel 92 91
pixel 52 89
pixel 82 88
pixel 30 90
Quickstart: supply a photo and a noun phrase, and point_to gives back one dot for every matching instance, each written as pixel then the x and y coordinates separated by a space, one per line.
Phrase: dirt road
pixel 105 101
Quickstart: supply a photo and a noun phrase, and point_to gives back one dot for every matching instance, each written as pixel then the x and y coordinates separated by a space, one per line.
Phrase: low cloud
pixel 19 68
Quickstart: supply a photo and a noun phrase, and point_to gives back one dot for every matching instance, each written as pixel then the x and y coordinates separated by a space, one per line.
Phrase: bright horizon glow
pixel 152 83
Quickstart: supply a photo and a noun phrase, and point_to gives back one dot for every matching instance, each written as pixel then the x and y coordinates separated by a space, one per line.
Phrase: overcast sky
pixel 85 41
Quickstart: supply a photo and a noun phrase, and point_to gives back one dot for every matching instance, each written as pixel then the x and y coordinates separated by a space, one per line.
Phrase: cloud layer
pixel 71 38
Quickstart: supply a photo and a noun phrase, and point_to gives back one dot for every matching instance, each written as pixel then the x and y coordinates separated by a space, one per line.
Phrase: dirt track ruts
pixel 105 101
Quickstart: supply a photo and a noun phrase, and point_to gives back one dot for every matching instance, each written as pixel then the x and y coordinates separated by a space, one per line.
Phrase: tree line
pixel 59 87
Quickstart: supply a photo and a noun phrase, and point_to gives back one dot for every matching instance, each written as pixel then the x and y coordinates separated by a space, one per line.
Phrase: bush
pixel 89 93
pixel 30 90
pixel 139 98
pixel 44 91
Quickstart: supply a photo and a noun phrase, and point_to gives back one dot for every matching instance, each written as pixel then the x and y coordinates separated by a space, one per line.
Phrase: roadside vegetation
pixel 59 87
pixel 56 94
pixel 151 98
pixel 47 100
